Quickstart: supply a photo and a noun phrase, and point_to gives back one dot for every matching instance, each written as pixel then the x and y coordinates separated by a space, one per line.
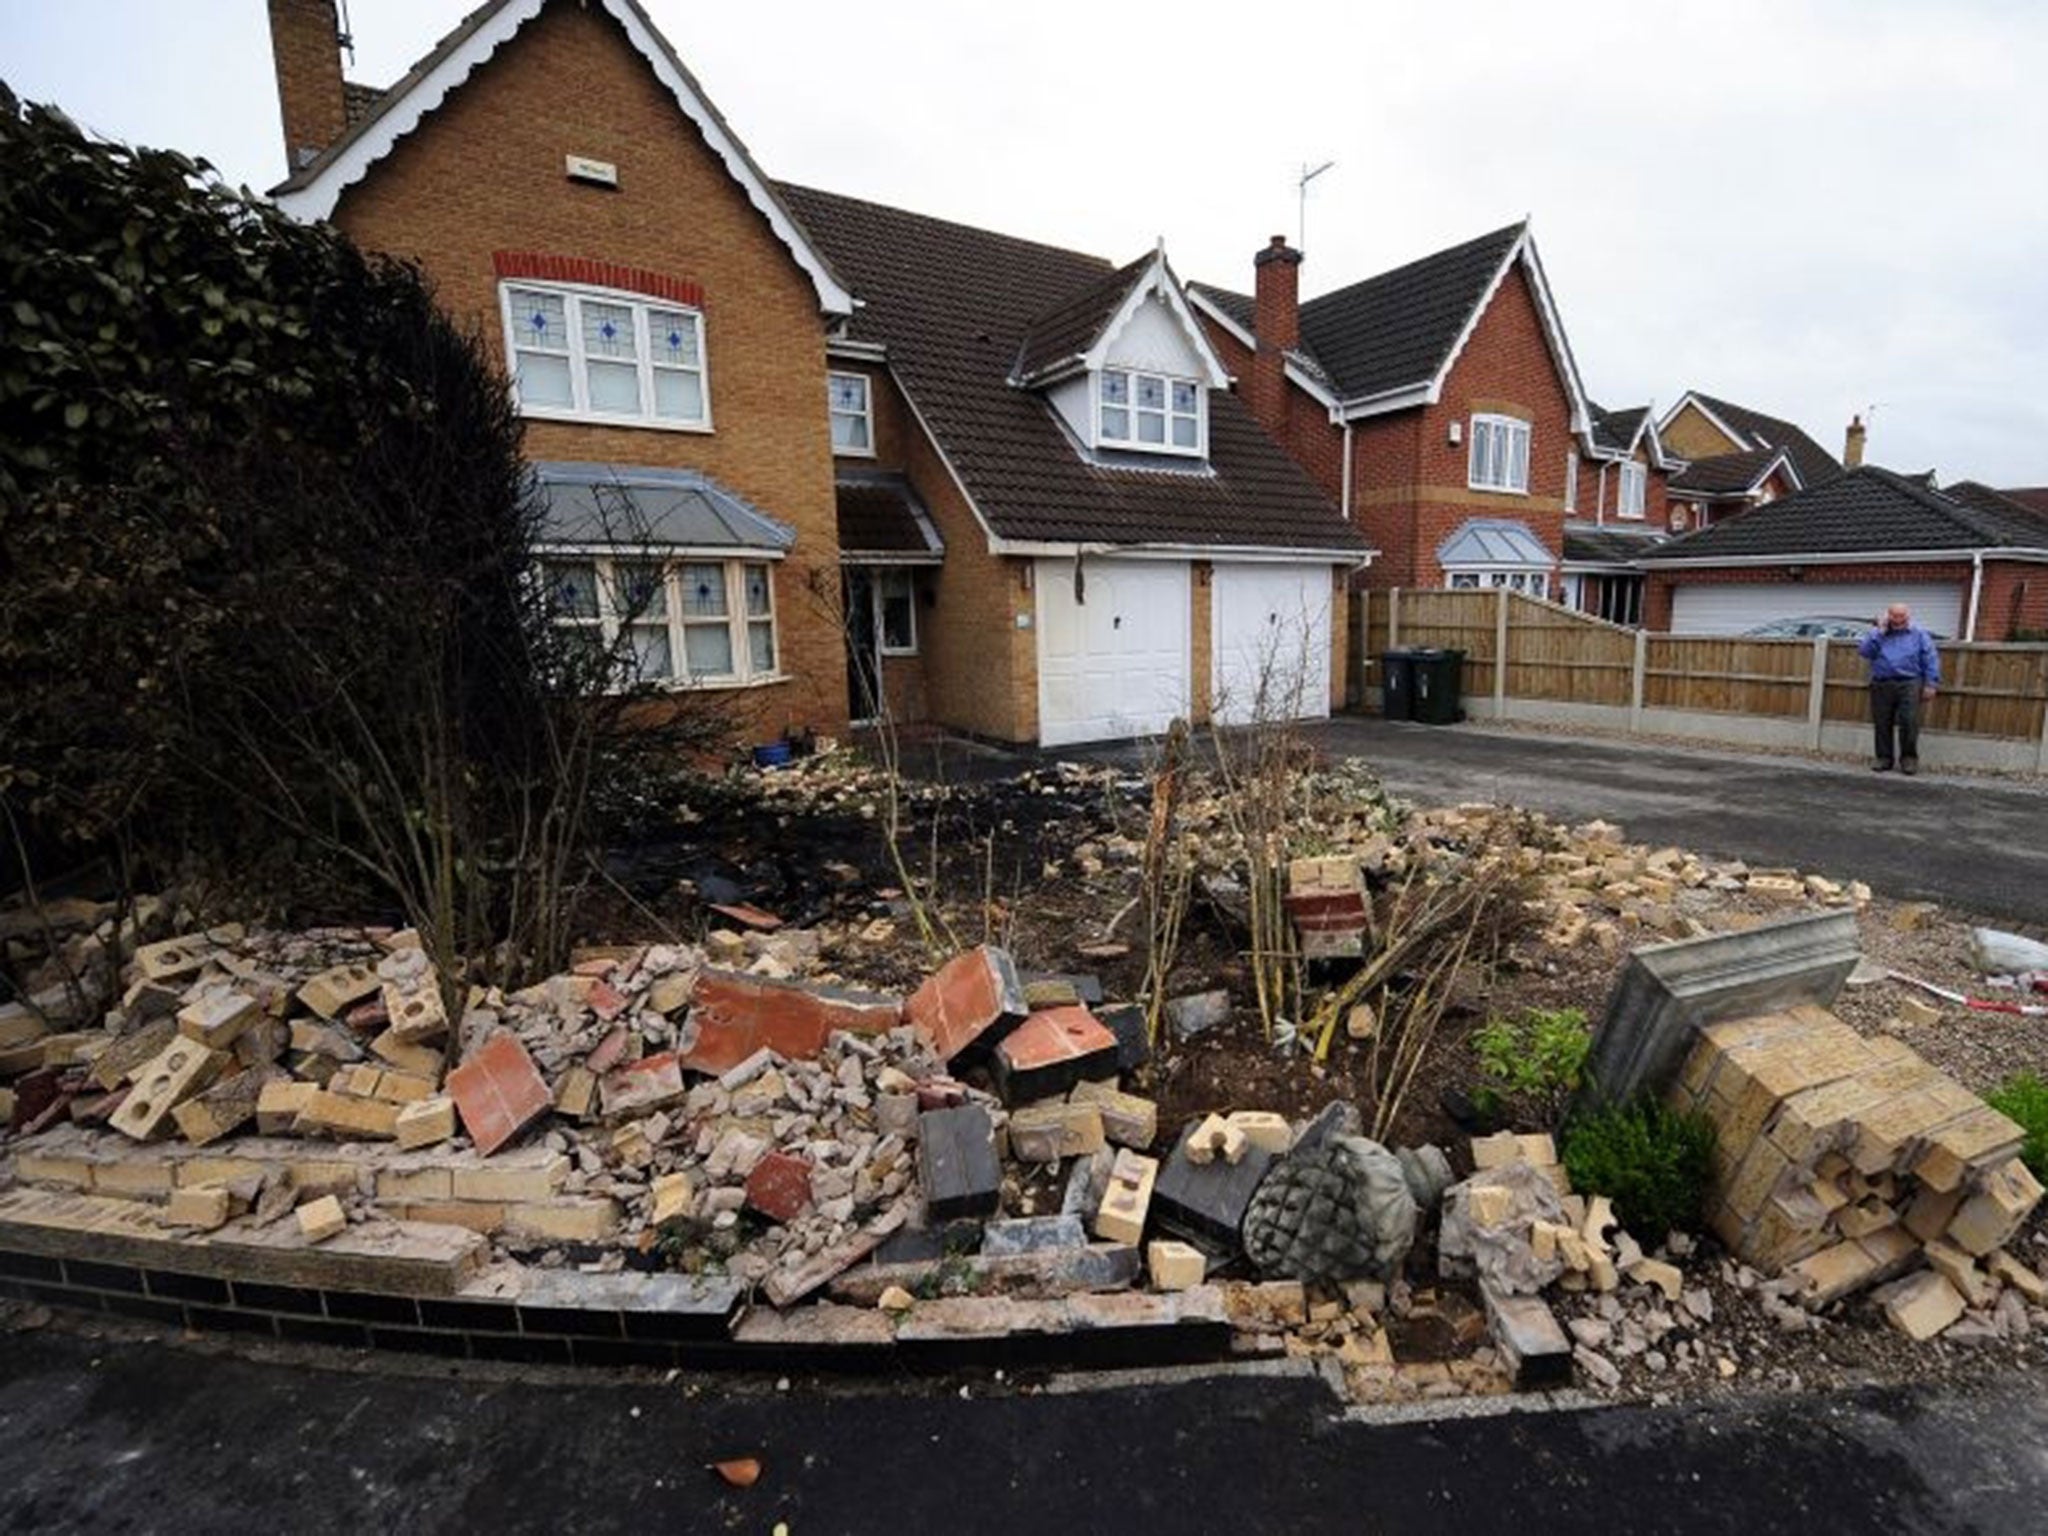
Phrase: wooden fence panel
pixel 1729 676
pixel 1454 621
pixel 1987 690
pixel 1556 654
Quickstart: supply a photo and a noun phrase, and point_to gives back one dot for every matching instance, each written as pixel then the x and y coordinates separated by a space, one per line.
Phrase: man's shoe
pixel 1881 766
pixel 1910 766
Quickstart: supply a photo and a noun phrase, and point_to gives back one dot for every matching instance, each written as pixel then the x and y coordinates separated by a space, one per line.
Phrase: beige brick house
pixel 843 458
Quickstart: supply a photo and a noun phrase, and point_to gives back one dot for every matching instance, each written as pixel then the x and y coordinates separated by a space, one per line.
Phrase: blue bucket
pixel 773 754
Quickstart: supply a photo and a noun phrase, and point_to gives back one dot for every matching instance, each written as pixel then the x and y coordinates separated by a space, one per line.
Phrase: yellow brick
pixel 132 1177
pixel 1174 1266
pixel 1989 1218
pixel 181 1069
pixel 428 1121
pixel 43 1168
pixel 205 1207
pixel 417 1014
pixel 321 1219
pixel 1756 1179
pixel 1121 1216
pixel 217 1018
pixel 477 1216
pixel 1978 1136
pixel 536 1181
pixel 409 1184
pixel 673 1193
pixel 420 1060
pixel 338 986
pixel 280 1104
pixel 1930 1212
pixel 396 1087
pixel 338 1115
pixel 581 1219
pixel 1833 1272
pixel 1815 1121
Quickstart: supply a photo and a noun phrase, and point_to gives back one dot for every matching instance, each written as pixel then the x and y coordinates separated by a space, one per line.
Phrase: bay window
pixel 593 355
pixel 1500 455
pixel 702 621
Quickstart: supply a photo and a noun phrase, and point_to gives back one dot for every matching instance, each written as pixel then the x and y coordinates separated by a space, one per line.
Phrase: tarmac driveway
pixel 1978 844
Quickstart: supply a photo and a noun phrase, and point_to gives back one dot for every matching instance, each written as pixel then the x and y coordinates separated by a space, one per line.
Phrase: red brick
pixel 499 1092
pixel 606 1001
pixel 608 1052
pixel 969 1003
pixel 643 1084
pixel 1050 1052
pixel 734 1015
pixel 780 1186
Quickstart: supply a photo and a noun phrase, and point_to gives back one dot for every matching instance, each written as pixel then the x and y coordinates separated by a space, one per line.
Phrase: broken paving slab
pixel 498 1092
pixel 1668 992
pixel 1045 1272
pixel 1051 1052
pixel 1032 1234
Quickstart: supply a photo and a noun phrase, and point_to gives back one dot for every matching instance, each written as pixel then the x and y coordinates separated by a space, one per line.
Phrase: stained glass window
pixel 846 396
pixel 611 356
pixel 671 623
pixel 1150 409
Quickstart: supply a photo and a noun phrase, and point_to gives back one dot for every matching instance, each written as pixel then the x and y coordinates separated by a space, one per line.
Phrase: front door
pixel 863 664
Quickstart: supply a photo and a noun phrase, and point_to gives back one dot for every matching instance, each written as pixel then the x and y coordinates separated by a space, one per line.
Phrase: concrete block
pixel 321 1219
pixel 1192 1015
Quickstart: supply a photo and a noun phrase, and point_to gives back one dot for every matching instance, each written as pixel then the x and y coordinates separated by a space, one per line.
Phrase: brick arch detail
pixel 542 266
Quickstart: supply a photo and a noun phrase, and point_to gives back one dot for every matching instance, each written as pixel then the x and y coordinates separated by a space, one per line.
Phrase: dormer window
pixel 1149 412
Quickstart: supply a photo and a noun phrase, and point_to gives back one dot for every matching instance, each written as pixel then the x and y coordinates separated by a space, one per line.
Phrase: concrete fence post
pixel 1817 693
pixel 1637 675
pixel 2041 744
pixel 1394 619
pixel 1500 653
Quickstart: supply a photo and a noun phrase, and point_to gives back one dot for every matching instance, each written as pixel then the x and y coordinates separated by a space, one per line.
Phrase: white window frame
pixel 609 623
pixel 1497 441
pixel 573 295
pixel 884 577
pixel 1130 442
pixel 1571 480
pixel 1467 578
pixel 865 415
pixel 1632 491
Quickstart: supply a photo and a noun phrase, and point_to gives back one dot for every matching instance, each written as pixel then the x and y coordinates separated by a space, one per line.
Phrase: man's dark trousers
pixel 1895 707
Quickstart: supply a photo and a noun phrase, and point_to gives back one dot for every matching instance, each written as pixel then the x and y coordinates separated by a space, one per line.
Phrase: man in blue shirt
pixel 1905 669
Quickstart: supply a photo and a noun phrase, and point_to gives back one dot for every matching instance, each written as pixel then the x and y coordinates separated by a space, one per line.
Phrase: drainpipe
pixel 1347 472
pixel 1976 593
pixel 1600 497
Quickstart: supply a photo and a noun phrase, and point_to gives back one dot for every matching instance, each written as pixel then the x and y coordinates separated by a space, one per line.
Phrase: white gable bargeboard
pixel 1153 340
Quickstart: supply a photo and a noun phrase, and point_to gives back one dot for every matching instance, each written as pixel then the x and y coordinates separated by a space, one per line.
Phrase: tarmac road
pixel 109 1437
pixel 1978 844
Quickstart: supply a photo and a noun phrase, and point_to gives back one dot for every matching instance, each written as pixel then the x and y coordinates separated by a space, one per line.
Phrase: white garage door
pixel 1112 656
pixel 1738 607
pixel 1271 630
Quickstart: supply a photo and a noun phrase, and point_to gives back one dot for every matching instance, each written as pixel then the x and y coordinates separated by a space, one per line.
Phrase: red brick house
pixel 1618 504
pixel 1970 562
pixel 1439 403
pixel 867 460
pixel 1734 458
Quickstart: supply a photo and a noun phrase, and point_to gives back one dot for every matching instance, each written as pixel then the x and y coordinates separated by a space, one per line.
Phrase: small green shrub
pixel 1531 1065
pixel 2023 1098
pixel 1652 1162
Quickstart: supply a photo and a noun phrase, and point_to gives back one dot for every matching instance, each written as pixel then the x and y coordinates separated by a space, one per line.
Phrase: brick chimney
pixel 305 44
pixel 1276 324
pixel 1852 445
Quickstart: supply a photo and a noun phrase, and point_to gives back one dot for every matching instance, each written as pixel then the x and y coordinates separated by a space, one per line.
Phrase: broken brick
pixel 338 986
pixel 642 1085
pixel 217 1018
pixel 735 1015
pixel 969 1004
pixel 499 1092
pixel 1054 1130
pixel 780 1187
pixel 183 1068
pixel 1046 1055
pixel 321 1219
pixel 1128 1199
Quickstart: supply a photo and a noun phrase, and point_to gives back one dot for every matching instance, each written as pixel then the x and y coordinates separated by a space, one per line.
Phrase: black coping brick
pixel 227 1320
pixel 276 1298
pixel 595 1323
pixel 103 1277
pixel 520 1351
pixel 203 1288
pixel 470 1316
pixel 419 1341
pixel 317 1330
pixel 402 1311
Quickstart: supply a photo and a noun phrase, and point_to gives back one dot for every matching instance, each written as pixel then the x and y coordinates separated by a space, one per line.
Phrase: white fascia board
pixel 317 199
pixel 1222 317
pixel 845 350
pixel 1780 460
pixel 664 551
pixel 1867 557
pixel 1308 385
pixel 1156 278
pixel 1523 251
pixel 1404 398
pixel 1248 555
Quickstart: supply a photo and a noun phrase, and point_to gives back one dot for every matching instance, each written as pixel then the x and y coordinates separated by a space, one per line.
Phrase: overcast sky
pixel 1806 206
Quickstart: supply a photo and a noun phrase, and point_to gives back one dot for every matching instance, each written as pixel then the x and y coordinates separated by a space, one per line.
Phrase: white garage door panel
pixel 1271 627
pixel 1740 606
pixel 1114 663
